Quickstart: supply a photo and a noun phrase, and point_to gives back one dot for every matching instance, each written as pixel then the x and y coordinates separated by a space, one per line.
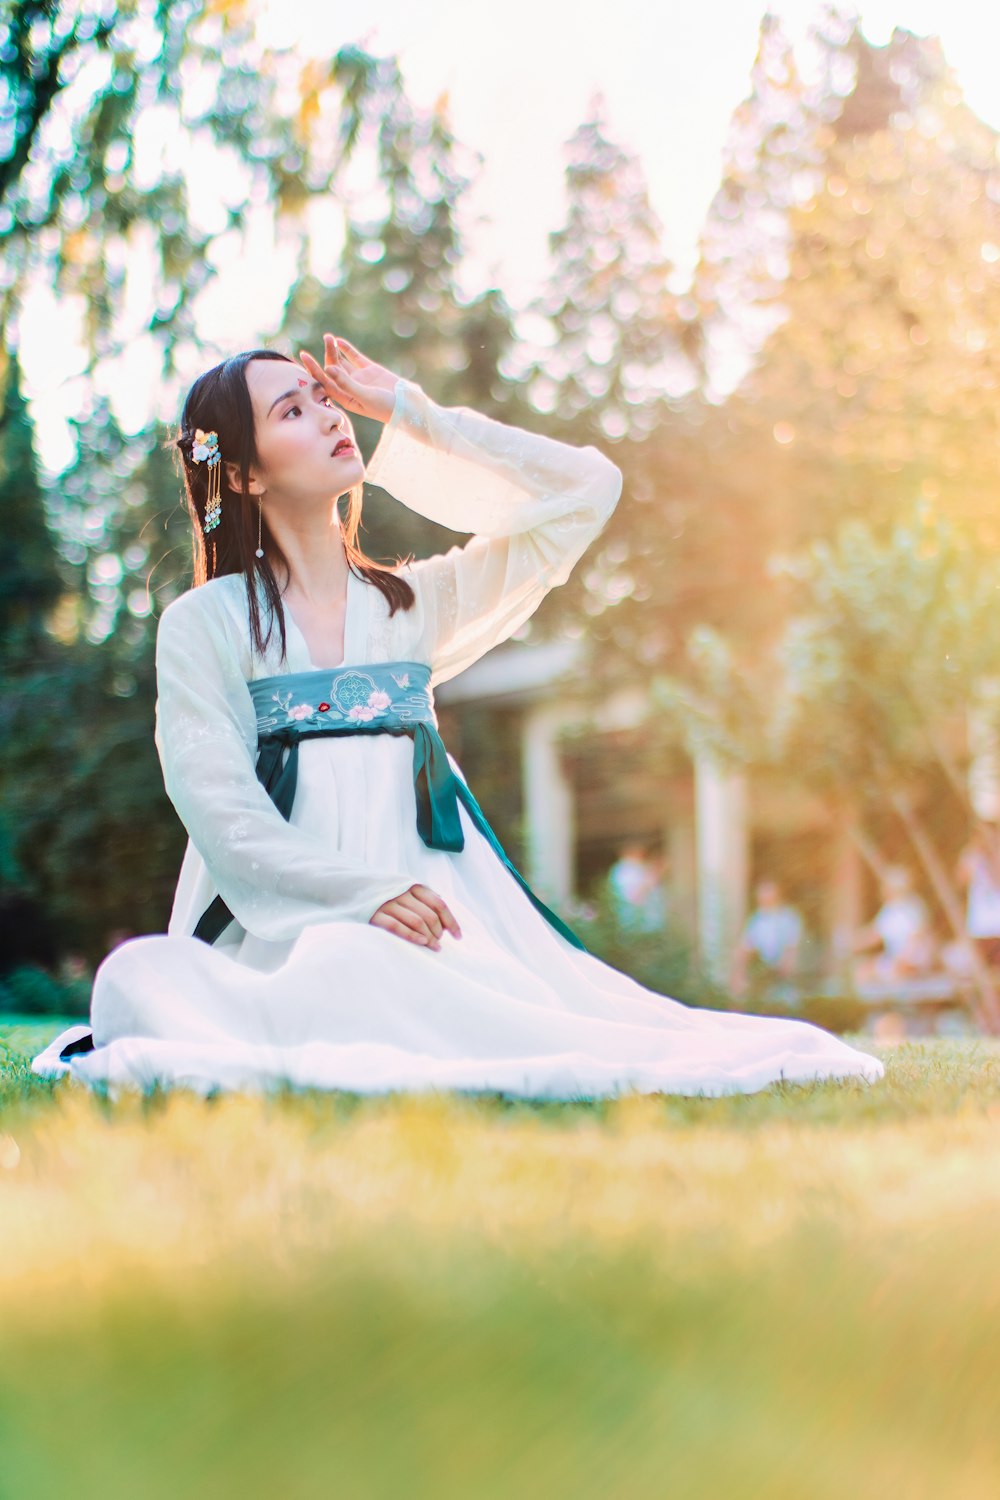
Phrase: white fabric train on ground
pixel 300 989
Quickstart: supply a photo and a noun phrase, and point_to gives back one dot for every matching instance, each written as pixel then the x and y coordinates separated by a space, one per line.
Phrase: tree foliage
pixel 30 578
pixel 848 270
pixel 620 336
pixel 881 281
pixel 396 293
pixel 133 137
pixel 886 651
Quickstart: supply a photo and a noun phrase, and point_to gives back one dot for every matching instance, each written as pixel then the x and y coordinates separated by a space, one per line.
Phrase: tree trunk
pixel 987 1012
pixel 956 780
pixel 869 851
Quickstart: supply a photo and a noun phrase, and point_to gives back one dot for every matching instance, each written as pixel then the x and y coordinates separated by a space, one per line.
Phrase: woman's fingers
pixel 371 394
pixel 325 373
pixel 424 913
pixel 347 349
pixel 419 915
pixel 335 381
pixel 423 917
pixel 396 927
pixel 316 370
pixel 399 912
pixel 440 909
pixel 413 916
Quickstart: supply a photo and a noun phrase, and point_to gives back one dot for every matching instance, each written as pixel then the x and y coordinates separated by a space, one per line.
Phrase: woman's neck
pixel 317 562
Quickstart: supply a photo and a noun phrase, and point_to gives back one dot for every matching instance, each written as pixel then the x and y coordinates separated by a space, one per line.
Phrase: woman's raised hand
pixel 354 381
pixel 418 915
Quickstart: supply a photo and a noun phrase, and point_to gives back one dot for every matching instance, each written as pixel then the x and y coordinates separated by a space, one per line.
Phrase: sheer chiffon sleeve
pixel 275 877
pixel 533 503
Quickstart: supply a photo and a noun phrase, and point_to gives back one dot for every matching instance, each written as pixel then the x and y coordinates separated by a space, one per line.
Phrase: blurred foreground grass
pixel 791 1294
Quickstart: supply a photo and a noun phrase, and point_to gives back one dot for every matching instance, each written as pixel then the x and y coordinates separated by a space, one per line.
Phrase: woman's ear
pixel 233 479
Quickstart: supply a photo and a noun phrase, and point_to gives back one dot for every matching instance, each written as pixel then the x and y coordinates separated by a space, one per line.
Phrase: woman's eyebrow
pixel 315 386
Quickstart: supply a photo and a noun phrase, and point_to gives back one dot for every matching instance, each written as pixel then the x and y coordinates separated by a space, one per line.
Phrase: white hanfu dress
pixel 300 989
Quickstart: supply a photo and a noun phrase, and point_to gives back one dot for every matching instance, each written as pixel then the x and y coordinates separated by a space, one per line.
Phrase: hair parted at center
pixel 219 401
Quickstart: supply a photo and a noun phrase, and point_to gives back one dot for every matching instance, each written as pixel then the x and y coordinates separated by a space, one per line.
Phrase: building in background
pixel 564 785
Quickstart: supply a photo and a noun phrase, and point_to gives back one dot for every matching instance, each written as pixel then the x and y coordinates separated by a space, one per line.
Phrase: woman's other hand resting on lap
pixel 418 915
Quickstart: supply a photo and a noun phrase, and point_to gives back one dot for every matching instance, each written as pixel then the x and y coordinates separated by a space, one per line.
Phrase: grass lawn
pixel 793 1294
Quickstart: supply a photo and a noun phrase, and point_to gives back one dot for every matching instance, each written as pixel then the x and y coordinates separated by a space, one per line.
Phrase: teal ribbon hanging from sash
pixel 384 698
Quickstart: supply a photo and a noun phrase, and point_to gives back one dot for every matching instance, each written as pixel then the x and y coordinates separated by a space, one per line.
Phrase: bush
pixel 665 961
pixel 32 991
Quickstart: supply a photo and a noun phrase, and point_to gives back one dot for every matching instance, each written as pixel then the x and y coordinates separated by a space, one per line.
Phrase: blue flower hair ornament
pixel 205 450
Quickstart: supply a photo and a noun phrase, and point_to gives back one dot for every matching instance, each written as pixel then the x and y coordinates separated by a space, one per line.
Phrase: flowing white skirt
pixel 511 1006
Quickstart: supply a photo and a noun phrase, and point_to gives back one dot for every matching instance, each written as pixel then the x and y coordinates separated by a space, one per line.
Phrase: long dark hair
pixel 219 401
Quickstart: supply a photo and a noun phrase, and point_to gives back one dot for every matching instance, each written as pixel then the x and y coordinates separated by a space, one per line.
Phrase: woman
pixel 344 917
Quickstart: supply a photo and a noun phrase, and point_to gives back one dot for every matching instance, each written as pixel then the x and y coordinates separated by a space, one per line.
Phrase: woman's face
pixel 297 428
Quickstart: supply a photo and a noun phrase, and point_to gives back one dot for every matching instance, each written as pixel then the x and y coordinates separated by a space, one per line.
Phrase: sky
pixel 519 77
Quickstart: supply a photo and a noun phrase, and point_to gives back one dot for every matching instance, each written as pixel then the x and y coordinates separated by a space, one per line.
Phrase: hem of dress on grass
pixel 377 1068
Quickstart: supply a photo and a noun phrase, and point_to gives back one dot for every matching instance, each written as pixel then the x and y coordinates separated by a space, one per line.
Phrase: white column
pixel 679 842
pixel 844 897
pixel 548 807
pixel 723 860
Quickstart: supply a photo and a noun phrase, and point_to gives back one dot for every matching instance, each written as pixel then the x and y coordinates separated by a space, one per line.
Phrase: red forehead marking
pixel 303 382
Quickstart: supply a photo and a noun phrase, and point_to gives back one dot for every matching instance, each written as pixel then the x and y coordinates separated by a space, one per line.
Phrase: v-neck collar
pixel 307 664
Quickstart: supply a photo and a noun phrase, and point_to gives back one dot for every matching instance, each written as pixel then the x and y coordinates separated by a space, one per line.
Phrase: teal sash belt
pixel 384 698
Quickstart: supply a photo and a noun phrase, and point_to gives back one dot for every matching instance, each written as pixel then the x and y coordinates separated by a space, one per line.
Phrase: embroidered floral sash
pixel 383 698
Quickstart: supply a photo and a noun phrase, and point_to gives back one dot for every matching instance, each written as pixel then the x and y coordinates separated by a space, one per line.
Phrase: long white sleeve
pixel 533 503
pixel 275 877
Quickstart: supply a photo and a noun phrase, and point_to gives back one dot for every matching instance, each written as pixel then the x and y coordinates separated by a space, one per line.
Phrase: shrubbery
pixel 33 991
pixel 664 961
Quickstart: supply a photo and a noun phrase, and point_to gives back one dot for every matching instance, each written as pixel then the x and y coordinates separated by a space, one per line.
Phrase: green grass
pixel 789 1294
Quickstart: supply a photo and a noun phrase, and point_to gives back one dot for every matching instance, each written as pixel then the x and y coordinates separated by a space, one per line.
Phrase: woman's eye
pixel 290 410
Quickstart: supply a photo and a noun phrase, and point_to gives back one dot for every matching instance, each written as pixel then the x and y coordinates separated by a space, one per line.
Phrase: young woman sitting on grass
pixel 344 916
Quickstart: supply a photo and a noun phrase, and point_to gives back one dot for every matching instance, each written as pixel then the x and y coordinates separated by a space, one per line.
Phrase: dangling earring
pixel 260 514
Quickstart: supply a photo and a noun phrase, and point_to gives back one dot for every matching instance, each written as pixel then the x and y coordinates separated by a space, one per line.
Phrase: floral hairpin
pixel 206 450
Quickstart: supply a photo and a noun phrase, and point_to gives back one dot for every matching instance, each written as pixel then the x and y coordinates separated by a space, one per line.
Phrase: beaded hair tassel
pixel 206 450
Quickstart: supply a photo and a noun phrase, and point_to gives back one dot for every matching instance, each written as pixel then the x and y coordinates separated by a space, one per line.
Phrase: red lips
pixel 344 446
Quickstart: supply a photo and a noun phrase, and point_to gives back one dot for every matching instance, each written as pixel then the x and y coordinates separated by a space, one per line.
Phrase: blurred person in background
pixel 900 932
pixel 768 956
pixel 978 872
pixel 636 885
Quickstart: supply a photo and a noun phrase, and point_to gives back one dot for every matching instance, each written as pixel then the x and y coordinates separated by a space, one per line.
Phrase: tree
pixel 884 662
pixel 843 272
pixel 30 578
pixel 881 283
pixel 865 699
pixel 114 121
pixel 79 775
pixel 620 336
pixel 773 159
pixel 396 294
pixel 622 363
pixel 883 375
pixel 30 587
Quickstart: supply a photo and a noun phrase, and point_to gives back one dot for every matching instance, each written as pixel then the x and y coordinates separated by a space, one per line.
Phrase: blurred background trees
pixel 832 365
